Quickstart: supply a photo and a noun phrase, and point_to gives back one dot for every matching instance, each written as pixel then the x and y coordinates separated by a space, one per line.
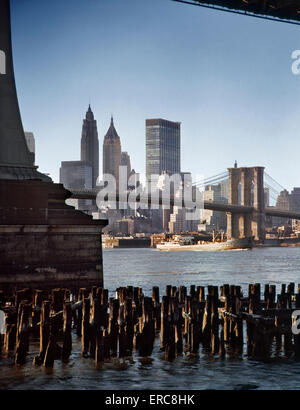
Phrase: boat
pixel 234 244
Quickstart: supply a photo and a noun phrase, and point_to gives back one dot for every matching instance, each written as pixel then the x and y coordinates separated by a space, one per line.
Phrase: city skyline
pixel 223 116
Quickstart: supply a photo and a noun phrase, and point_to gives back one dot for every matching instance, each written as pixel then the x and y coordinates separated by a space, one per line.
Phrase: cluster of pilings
pixel 219 319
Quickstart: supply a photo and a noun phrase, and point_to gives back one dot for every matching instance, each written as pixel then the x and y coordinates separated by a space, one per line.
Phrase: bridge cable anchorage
pixel 240 12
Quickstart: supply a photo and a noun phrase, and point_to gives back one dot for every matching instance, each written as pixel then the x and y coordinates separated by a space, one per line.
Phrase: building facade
pixel 163 143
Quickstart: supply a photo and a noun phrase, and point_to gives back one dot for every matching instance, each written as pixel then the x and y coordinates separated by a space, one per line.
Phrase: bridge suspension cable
pixel 267 176
pixel 212 180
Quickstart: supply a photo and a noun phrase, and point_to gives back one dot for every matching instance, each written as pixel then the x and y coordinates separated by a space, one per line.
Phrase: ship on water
pixel 186 243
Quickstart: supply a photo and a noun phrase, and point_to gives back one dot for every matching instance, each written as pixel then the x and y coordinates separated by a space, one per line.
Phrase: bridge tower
pixel 246 187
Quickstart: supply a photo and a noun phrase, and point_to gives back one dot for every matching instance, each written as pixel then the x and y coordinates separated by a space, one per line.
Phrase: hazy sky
pixel 227 78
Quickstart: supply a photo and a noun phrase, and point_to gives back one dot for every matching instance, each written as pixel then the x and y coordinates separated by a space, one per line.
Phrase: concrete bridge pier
pixel 246 188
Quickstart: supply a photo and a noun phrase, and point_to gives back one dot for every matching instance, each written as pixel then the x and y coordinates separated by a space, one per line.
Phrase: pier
pixel 221 321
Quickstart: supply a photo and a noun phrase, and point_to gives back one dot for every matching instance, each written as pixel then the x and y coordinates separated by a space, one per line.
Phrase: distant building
pixel 77 175
pixel 90 144
pixel 284 201
pixel 289 201
pixel 125 162
pixel 163 141
pixel 112 152
pixel 30 141
pixel 295 199
pixel 214 220
pixel 177 222
pixel 83 174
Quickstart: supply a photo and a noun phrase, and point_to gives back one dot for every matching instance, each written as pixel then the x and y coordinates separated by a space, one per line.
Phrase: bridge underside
pixel 285 10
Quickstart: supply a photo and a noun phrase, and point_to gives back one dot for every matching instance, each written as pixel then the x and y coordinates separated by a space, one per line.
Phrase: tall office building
pixel 112 152
pixel 162 147
pixel 90 144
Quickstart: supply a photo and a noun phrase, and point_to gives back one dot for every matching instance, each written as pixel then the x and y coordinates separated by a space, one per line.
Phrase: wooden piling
pixel 67 335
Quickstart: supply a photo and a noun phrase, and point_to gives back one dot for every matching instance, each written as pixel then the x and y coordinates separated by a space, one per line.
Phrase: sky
pixel 226 78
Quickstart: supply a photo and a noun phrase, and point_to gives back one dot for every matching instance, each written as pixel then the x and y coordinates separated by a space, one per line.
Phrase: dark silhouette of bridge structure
pixel 286 11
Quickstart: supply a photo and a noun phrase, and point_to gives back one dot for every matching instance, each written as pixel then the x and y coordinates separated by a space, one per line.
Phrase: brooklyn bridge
pixel 246 210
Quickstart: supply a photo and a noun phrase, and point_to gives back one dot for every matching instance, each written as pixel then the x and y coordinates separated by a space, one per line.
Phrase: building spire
pixel 112 133
pixel 89 114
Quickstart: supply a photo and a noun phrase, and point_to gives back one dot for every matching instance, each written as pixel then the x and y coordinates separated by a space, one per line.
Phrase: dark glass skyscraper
pixel 112 152
pixel 90 144
pixel 162 147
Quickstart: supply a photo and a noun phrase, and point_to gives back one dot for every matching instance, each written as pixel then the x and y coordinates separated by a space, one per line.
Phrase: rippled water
pixel 146 268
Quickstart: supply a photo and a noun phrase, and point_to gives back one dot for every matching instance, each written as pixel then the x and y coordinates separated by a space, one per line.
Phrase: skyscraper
pixel 112 152
pixel 90 144
pixel 162 147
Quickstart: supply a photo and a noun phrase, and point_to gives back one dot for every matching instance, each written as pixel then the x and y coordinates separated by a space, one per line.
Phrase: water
pixel 146 268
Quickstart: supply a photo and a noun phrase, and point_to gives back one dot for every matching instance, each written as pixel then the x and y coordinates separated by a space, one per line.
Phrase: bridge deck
pixel 210 205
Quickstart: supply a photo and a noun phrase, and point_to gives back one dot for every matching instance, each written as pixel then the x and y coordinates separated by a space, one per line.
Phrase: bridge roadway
pixel 210 205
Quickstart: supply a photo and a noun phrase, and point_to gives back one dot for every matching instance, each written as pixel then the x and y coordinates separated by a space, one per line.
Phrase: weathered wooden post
pixel 23 334
pixel 129 330
pixel 83 293
pixel 85 329
pixel 114 306
pixel 67 335
pixel 44 331
pixel 100 353
pixel 164 336
pixel 50 354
